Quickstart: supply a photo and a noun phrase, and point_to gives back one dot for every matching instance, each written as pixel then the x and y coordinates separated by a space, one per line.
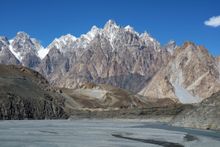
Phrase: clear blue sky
pixel 179 20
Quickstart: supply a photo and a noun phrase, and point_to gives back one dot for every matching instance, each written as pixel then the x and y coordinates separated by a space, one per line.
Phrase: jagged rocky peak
pixel 22 43
pixel 36 43
pixel 113 55
pixel 85 39
pixel 25 49
pixel 150 41
pixel 68 37
pixel 93 32
pixel 3 38
pixel 111 29
pixel 147 37
pixel 188 46
pixel 171 46
pixel 110 24
pixel 22 35
pixel 6 57
pixel 129 28
pixel 62 42
pixel 3 41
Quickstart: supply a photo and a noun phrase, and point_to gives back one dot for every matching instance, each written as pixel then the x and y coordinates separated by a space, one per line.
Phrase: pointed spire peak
pixel 94 28
pixel 171 46
pixel 171 42
pixel 22 34
pixel 129 28
pixel 111 24
pixel 94 31
pixel 188 43
pixel 147 36
pixel 67 37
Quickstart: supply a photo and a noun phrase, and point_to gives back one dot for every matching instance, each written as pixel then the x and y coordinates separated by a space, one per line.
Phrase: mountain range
pixel 121 57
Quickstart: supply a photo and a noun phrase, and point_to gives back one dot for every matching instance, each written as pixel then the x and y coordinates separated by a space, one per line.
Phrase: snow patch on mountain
pixel 16 54
pixel 42 52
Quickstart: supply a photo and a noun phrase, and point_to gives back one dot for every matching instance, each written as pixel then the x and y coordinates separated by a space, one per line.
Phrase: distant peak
pixel 188 43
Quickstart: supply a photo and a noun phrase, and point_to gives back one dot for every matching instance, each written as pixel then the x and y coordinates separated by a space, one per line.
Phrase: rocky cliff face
pixel 112 55
pixel 190 76
pixel 25 94
pixel 6 56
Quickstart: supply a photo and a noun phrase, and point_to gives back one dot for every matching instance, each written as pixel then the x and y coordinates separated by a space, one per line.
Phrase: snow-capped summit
pixel 22 44
pixel 146 37
pixel 129 28
pixel 150 41
pixel 62 42
pixel 25 49
pixel 92 33
pixel 111 27
pixel 110 31
pixel 67 38
pixel 110 24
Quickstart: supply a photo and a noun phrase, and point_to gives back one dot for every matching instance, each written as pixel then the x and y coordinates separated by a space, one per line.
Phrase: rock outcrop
pixel 6 56
pixel 25 94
